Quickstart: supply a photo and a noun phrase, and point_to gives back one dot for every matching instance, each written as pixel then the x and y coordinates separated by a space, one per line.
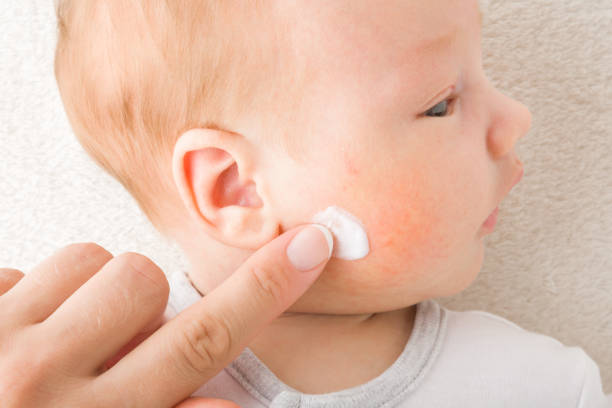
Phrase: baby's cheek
pixel 404 226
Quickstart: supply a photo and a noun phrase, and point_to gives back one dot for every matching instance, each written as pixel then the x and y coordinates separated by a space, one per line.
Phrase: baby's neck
pixel 317 354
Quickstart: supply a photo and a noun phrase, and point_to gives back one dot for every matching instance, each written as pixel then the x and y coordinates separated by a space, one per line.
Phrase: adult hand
pixel 63 324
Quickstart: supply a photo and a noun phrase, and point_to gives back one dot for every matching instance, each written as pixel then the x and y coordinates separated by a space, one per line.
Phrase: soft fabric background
pixel 548 265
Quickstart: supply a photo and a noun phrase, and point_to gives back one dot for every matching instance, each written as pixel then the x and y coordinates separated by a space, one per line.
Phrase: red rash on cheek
pixel 401 223
pixel 397 230
pixel 351 168
pixel 398 208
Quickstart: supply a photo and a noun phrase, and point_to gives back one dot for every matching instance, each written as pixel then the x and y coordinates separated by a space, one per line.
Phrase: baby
pixel 232 121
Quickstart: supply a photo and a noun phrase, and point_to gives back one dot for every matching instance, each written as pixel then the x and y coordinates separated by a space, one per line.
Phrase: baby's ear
pixel 213 172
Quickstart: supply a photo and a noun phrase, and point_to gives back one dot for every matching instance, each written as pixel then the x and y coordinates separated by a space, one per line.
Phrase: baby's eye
pixel 440 109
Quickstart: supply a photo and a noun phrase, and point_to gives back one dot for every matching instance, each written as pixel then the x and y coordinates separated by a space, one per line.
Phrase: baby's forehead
pixel 394 50
pixel 373 28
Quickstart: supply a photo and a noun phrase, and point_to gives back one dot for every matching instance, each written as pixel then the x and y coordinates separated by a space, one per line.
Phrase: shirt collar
pixel 395 383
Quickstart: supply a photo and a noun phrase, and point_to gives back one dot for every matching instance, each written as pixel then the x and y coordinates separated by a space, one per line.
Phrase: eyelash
pixel 450 104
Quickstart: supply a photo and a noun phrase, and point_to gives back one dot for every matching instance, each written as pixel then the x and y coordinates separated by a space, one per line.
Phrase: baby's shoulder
pixel 494 336
pixel 487 346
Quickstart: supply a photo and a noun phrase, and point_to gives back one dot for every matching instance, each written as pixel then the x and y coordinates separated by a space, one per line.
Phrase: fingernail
pixel 311 246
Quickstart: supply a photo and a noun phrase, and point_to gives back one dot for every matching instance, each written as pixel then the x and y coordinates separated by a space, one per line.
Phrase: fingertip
pixel 328 236
pixel 9 277
pixel 309 248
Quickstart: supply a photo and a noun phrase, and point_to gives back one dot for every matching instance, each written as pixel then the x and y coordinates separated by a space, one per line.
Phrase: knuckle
pixel 143 267
pixel 206 343
pixel 89 249
pixel 84 254
pixel 271 284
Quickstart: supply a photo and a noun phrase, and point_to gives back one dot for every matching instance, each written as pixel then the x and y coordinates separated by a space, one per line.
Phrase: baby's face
pixel 406 133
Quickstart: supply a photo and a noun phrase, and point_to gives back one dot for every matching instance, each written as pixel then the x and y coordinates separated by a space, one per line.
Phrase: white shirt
pixel 452 359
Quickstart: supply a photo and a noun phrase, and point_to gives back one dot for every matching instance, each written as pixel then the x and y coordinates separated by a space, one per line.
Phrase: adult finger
pixel 198 343
pixel 8 278
pixel 42 290
pixel 108 311
pixel 145 332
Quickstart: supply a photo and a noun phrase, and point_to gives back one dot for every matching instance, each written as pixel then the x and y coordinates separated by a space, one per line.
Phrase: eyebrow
pixel 443 41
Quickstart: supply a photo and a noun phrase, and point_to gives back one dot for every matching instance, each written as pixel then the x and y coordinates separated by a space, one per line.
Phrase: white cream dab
pixel 350 239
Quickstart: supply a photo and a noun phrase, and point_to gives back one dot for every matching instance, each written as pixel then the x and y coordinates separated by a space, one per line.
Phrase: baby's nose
pixel 511 121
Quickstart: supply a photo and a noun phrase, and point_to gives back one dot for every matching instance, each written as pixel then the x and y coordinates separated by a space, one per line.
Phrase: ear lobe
pixel 206 167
